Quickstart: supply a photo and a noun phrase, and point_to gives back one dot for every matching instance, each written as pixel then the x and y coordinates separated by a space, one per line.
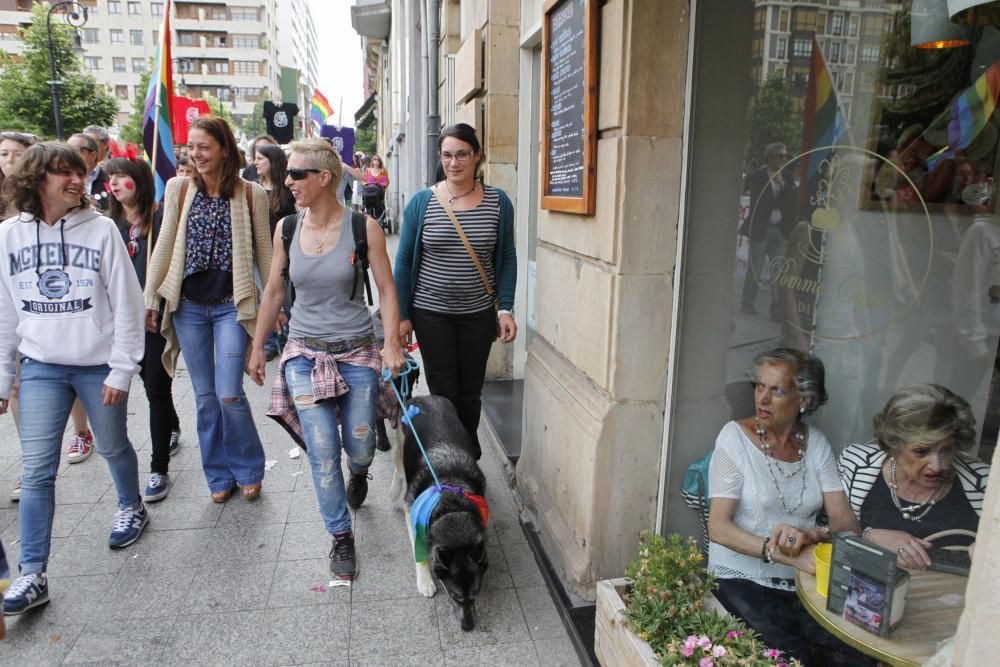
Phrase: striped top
pixel 448 281
pixel 860 466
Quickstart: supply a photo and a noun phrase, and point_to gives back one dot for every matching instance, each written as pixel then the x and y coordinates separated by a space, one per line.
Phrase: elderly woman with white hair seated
pixel 771 474
pixel 915 480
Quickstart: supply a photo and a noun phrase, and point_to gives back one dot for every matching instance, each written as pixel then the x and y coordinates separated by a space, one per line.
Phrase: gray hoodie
pixel 69 295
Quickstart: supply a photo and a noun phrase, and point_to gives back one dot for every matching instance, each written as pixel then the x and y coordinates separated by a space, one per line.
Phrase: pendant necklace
pixel 800 468
pixel 910 511
pixel 454 197
pixel 319 244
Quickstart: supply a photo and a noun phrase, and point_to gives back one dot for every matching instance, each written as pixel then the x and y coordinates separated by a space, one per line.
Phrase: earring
pixel 802 409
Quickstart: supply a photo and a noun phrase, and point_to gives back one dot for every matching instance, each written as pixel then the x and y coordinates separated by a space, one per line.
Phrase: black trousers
pixel 782 622
pixel 159 393
pixel 455 349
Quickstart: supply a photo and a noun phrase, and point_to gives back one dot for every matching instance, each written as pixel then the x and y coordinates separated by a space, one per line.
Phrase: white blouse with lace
pixel 739 470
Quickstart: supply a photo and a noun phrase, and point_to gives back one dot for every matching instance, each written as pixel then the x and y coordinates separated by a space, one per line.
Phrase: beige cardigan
pixel 251 243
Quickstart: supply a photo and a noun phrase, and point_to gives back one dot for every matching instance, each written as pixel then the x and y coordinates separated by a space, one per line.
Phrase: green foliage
pixel 664 608
pixel 132 130
pixel 25 95
pixel 365 140
pixel 772 118
pixel 220 110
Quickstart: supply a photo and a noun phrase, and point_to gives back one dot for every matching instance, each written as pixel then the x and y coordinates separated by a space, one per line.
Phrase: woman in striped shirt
pixel 443 296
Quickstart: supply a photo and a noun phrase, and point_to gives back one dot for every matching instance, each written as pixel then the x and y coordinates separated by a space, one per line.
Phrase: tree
pixel 132 130
pixel 365 140
pixel 25 95
pixel 220 110
pixel 772 118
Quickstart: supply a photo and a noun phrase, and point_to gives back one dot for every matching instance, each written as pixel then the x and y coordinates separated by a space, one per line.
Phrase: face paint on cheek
pixel 129 186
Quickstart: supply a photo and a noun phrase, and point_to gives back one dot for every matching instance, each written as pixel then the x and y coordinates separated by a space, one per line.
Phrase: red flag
pixel 185 111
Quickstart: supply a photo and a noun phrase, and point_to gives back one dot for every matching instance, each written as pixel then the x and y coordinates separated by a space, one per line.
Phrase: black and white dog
pixel 447 524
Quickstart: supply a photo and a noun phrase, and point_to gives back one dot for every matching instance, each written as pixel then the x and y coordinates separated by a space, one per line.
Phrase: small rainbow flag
pixel 157 137
pixel 969 112
pixel 321 109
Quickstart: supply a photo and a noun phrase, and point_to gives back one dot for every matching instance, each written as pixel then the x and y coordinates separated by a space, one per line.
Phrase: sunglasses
pixel 297 174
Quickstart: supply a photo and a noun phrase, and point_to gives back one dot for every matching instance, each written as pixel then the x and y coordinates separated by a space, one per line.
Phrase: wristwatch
pixel 504 312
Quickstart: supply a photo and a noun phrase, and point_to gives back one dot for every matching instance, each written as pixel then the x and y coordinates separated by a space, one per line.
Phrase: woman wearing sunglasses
pixel 214 232
pixel 331 365
pixel 133 208
pixel 457 302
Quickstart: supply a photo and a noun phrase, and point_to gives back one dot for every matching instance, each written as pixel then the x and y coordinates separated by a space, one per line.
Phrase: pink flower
pixel 718 652
pixel 706 662
pixel 689 645
pixel 704 642
pixel 733 634
pixel 772 653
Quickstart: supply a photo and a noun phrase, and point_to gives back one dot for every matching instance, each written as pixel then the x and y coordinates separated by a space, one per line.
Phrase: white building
pixel 298 49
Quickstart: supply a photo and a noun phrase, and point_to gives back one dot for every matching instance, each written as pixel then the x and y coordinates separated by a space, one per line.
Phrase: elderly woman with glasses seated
pixel 915 481
pixel 771 474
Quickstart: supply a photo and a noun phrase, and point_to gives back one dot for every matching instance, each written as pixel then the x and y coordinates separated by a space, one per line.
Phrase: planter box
pixel 614 644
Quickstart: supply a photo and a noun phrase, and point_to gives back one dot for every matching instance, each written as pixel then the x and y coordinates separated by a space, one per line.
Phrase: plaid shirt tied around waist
pixel 327 383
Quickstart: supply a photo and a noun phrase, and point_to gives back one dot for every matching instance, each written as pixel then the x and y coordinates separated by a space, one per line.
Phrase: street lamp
pixel 183 65
pixel 75 15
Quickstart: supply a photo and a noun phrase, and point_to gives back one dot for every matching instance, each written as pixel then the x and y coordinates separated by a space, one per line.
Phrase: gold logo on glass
pixel 847 270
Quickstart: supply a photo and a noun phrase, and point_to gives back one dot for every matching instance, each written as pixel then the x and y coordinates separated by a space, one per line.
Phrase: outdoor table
pixel 934 605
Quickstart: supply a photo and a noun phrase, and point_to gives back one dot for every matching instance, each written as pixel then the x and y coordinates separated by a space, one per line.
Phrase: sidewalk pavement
pixel 238 584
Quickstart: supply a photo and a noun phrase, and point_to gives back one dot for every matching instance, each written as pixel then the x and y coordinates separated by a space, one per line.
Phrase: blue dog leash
pixel 411 411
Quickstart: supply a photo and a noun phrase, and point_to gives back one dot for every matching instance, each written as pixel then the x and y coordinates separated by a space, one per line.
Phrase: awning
pixel 372 18
pixel 365 115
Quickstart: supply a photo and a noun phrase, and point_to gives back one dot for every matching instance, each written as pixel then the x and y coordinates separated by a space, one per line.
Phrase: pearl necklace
pixel 800 468
pixel 909 512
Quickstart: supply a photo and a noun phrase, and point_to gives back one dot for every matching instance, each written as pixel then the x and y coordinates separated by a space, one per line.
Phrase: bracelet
pixel 504 312
pixel 865 531
pixel 765 555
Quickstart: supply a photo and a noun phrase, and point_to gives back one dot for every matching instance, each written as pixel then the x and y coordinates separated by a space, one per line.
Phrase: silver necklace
pixel 319 244
pixel 799 468
pixel 454 197
pixel 910 511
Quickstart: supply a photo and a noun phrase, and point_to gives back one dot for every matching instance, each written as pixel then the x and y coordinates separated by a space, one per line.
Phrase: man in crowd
pixel 90 149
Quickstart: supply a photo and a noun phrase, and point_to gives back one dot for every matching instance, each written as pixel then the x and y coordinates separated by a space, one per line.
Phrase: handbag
pixel 472 255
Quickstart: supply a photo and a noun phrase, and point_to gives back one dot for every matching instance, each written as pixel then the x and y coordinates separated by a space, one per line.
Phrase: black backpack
pixel 359 226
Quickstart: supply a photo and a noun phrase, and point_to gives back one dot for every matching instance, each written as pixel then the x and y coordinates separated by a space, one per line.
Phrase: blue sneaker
pixel 129 524
pixel 175 441
pixel 156 490
pixel 27 591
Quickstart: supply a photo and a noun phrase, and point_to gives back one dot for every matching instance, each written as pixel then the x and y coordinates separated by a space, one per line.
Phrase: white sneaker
pixel 15 493
pixel 81 446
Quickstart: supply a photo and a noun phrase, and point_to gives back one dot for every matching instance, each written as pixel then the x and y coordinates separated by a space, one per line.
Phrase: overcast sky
pixel 340 58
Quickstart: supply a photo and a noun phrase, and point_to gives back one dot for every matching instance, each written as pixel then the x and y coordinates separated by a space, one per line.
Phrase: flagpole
pixel 164 35
pixel 340 114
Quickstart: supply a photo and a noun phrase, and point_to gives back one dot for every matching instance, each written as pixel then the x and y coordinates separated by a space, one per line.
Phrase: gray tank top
pixel 323 308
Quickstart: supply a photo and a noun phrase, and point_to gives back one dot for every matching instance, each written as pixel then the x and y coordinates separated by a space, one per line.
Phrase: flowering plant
pixel 664 608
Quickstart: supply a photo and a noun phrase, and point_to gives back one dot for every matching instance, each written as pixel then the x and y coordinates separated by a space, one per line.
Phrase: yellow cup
pixel 822 555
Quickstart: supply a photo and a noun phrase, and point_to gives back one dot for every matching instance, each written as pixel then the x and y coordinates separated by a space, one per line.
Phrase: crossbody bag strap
pixel 465 241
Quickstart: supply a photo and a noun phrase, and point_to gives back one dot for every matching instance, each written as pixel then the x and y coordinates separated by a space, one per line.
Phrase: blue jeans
pixel 47 394
pixel 323 438
pixel 214 346
pixel 772 246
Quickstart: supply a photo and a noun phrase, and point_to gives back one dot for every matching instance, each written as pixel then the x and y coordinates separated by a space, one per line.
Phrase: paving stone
pixel 113 642
pixel 540 613
pixel 81 489
pixel 305 541
pixel 185 483
pixel 291 636
pixel 148 594
pixel 86 554
pixel 270 507
pixel 557 652
pixel 523 567
pixel 413 628
pixel 430 658
pixel 229 587
pixel 294 579
pixel 522 654
pixel 76 599
pixel 158 549
pixel 303 507
pixel 499 620
pixel 36 640
pixel 385 577
pixel 213 639
pixel 179 513
pixel 243 542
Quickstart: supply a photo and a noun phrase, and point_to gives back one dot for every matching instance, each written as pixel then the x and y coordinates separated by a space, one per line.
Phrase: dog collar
pixel 423 507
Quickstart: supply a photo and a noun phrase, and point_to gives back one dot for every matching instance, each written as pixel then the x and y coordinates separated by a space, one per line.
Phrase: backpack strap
pixel 359 226
pixel 288 225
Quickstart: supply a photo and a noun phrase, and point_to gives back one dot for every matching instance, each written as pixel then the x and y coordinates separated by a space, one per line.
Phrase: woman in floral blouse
pixel 214 230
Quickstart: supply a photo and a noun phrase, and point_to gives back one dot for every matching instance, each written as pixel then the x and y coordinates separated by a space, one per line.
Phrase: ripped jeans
pixel 214 346
pixel 323 438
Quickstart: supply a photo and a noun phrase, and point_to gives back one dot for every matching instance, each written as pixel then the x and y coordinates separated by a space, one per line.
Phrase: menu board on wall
pixel 569 105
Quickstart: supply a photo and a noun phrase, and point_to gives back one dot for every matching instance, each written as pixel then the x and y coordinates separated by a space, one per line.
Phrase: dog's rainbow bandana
pixel 423 507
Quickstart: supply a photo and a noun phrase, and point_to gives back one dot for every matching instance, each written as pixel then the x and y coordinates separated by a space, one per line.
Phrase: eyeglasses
pixel 461 156
pixel 297 174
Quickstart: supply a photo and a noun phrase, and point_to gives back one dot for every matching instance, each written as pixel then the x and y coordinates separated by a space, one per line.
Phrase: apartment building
pixel 226 49
pixel 850 34
pixel 298 53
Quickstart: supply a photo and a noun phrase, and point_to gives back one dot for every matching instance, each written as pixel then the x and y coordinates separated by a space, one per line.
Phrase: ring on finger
pixel 790 539
pixel 900 551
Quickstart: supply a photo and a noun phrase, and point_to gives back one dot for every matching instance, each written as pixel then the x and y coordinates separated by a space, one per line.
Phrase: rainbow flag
pixel 822 118
pixel 969 112
pixel 157 137
pixel 321 109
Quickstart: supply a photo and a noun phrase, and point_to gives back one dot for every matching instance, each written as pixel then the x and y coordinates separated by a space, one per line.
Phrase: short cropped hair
pixel 924 414
pixel 807 370
pixel 321 155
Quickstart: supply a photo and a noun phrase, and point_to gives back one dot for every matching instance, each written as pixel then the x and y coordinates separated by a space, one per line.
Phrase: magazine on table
pixel 867 587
